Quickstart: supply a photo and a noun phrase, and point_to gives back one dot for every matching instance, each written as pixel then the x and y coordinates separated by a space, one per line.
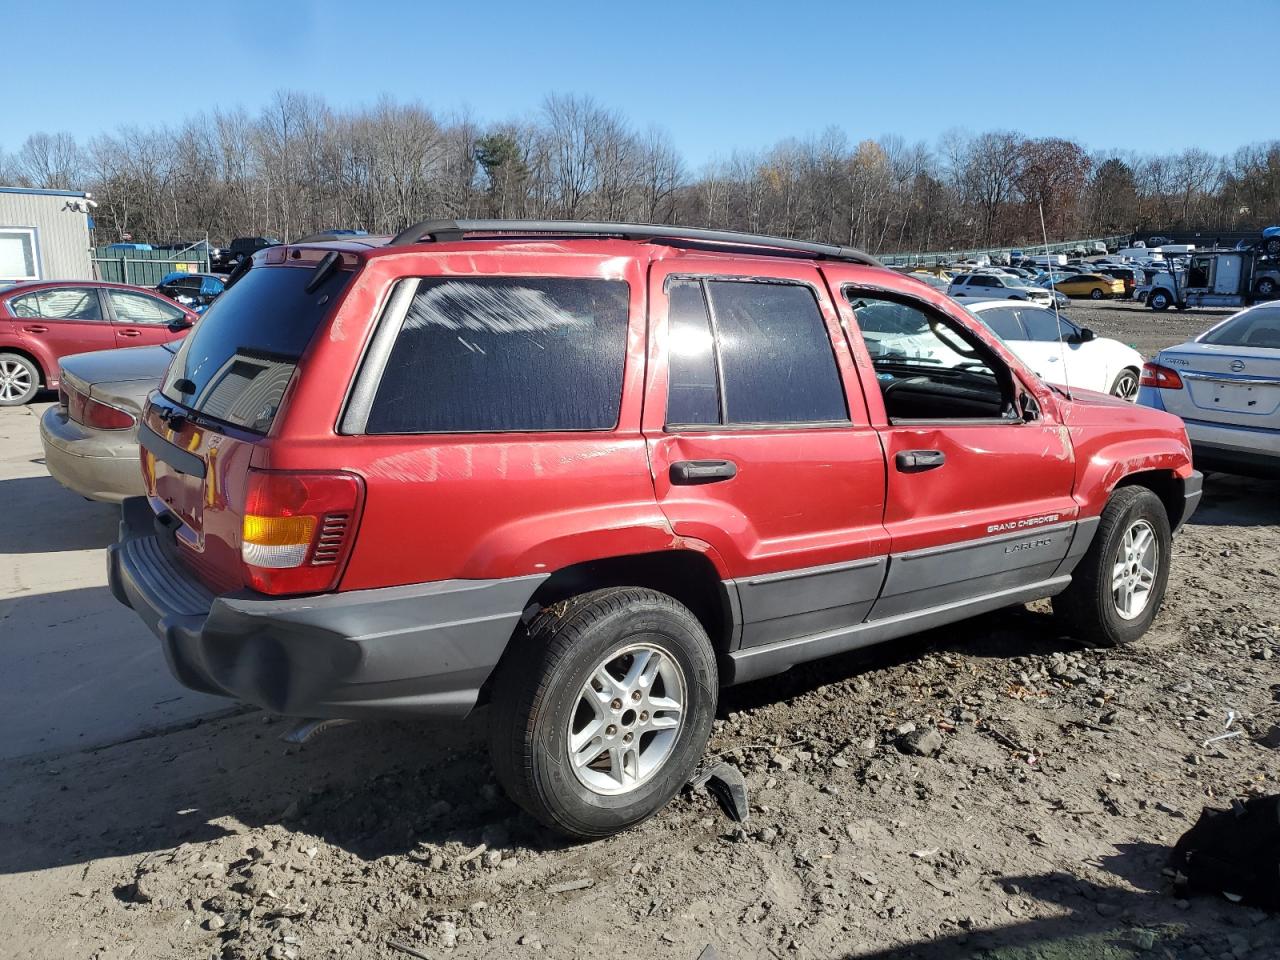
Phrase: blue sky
pixel 717 76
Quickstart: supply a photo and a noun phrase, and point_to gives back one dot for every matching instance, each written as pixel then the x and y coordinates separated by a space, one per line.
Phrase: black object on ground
pixel 725 782
pixel 1233 852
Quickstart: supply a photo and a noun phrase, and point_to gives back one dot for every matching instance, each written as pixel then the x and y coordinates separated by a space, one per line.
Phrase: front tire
pixel 1159 300
pixel 19 380
pixel 1266 287
pixel 602 710
pixel 1271 246
pixel 1119 584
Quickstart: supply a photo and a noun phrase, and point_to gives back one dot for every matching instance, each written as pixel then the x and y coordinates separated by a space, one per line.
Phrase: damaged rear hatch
pixel 220 398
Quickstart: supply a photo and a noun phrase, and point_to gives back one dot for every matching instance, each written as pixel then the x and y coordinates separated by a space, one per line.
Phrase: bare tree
pixel 52 161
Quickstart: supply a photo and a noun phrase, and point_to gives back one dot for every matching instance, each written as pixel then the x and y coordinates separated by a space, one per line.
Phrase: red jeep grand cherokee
pixel 590 473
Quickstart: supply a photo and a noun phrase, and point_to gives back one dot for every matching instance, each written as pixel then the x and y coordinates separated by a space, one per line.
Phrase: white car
pixel 1225 385
pixel 997 286
pixel 1060 352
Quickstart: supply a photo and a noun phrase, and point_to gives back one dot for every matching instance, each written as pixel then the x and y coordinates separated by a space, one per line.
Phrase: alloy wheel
pixel 1126 386
pixel 627 719
pixel 1133 573
pixel 15 380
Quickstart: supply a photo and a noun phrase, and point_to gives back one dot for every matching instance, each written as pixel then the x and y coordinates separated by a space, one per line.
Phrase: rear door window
pixel 141 308
pixel 693 391
pixel 505 354
pixel 775 355
pixel 237 361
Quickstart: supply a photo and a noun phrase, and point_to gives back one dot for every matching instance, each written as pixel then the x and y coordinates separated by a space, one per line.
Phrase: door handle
pixel 917 461
pixel 130 333
pixel 702 471
pixel 35 328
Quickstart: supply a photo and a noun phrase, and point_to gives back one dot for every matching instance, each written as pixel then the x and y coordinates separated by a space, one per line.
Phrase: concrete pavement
pixel 76 668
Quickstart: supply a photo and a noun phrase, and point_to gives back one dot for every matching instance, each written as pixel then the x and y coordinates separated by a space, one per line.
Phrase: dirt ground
pixel 1039 830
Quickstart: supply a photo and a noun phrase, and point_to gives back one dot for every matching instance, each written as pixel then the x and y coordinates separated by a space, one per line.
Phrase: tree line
pixel 300 166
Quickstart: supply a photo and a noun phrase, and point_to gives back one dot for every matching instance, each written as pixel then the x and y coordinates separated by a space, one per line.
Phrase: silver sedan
pixel 91 437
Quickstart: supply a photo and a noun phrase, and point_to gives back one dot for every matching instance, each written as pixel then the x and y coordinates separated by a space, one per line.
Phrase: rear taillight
pixel 94 413
pixel 298 529
pixel 1154 375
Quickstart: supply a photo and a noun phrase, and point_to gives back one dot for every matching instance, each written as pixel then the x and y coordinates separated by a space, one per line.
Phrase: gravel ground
pixel 988 790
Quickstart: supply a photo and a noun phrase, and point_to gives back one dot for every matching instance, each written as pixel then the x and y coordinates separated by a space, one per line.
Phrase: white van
pixel 1137 252
pixel 1050 260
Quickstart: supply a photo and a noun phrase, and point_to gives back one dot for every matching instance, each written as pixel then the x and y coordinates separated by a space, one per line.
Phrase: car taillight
pixel 93 413
pixel 298 529
pixel 1154 375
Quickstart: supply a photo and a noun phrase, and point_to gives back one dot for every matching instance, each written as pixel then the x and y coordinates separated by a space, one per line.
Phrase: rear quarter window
pixel 506 354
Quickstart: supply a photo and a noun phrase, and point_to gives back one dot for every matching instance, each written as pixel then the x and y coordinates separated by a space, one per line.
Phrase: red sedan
pixel 42 321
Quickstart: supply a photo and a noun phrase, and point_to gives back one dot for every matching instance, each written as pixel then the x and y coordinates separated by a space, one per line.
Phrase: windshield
pixel 1258 327
pixel 239 357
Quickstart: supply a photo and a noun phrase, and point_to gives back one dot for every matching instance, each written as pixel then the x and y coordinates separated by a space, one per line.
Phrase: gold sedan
pixel 1091 285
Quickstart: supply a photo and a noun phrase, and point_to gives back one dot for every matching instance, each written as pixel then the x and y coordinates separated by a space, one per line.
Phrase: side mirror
pixel 177 326
pixel 1086 335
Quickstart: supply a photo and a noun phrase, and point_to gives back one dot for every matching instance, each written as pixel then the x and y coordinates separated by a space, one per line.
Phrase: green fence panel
pixel 146 268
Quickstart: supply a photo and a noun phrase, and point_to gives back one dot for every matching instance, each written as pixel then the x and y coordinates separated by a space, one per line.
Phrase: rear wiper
pixel 324 269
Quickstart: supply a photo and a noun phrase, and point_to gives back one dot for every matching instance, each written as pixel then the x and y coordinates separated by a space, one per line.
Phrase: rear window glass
pixel 238 359
pixel 1259 327
pixel 487 355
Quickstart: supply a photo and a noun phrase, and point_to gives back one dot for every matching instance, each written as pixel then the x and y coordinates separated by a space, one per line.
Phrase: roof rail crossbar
pixel 443 231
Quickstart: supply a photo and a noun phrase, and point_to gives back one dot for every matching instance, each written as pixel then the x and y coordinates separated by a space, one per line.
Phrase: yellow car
pixel 944 273
pixel 1091 285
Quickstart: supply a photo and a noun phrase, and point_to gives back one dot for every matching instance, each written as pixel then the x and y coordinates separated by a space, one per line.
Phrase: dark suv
pixel 590 473
pixel 241 248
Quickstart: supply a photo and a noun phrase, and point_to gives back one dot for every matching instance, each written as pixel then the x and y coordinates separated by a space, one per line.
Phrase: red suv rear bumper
pixel 423 649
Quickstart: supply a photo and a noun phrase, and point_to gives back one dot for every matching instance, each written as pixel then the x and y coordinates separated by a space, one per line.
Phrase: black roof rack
pixel 442 231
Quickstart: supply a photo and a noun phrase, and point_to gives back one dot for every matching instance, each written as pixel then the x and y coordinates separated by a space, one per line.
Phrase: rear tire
pixel 19 380
pixel 1271 246
pixel 1266 287
pixel 1119 584
pixel 548 694
pixel 1095 293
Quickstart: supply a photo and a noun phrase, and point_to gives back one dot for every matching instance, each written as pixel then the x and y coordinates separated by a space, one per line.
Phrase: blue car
pixel 1271 241
pixel 193 290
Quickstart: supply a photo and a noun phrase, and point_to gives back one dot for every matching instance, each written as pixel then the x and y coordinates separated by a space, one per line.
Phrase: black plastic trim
pixel 793 603
pixel 420 649
pixel 1193 490
pixel 755 663
pixel 181 460
pixel 957 572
